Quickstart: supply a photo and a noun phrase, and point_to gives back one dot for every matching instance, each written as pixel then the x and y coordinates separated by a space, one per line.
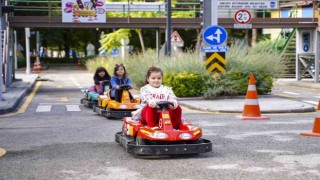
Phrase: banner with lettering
pixel 83 11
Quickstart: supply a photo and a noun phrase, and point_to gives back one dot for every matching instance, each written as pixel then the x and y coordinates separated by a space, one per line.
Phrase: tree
pixel 112 40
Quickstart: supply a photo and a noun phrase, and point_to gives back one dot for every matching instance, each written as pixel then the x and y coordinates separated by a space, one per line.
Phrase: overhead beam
pixel 177 23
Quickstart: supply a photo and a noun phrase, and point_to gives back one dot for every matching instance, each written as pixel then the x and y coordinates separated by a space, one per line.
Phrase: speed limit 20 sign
pixel 242 17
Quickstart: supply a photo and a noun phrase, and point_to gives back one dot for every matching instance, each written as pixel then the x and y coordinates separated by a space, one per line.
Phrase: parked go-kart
pixel 138 138
pixel 91 98
pixel 110 108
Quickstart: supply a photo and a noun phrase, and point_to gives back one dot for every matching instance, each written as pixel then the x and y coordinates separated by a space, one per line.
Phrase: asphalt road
pixel 56 138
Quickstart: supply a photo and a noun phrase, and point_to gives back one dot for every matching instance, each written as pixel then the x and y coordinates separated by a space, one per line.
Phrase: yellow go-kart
pixel 110 108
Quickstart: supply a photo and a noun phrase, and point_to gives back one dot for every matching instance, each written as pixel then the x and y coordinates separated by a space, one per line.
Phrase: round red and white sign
pixel 242 16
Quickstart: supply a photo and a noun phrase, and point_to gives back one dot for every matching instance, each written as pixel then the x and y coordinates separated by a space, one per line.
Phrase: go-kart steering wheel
pixel 125 87
pixel 163 105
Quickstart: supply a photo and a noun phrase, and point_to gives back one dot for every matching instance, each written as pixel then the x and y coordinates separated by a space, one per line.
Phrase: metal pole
pixel 1 81
pixel 15 50
pixel 8 50
pixel 27 32
pixel 214 11
pixel 37 45
pixel 298 66
pixel 316 55
pixel 157 44
pixel 168 37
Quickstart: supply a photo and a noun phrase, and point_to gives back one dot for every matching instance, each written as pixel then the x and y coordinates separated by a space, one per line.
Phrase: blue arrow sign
pixel 215 35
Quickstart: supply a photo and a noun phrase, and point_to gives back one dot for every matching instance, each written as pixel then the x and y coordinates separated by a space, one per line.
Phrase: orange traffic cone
pixel 316 127
pixel 251 109
pixel 35 66
pixel 39 65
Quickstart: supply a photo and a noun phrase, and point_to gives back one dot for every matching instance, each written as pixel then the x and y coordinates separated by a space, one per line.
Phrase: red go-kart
pixel 140 139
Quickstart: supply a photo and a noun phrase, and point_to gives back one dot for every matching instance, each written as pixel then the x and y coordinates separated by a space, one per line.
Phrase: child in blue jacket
pixel 119 78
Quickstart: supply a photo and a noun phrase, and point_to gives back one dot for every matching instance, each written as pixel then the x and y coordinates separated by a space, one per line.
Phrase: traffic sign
pixel 248 4
pixel 306 41
pixel 242 26
pixel 176 39
pixel 215 48
pixel 114 52
pixel 242 16
pixel 215 35
pixel 216 62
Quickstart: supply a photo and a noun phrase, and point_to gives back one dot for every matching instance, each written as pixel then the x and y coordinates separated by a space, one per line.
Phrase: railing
pixel 284 37
pixel 179 9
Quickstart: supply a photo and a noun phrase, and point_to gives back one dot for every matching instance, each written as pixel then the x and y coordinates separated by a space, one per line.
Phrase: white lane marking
pixel 104 173
pixel 312 102
pixel 75 82
pixel 73 108
pixel 306 160
pixel 274 151
pixel 206 123
pixel 292 170
pixel 58 103
pixel 44 108
pixel 292 122
pixel 292 93
pixel 273 134
pixel 224 166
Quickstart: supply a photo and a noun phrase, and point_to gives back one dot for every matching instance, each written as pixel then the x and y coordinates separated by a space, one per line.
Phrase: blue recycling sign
pixel 215 35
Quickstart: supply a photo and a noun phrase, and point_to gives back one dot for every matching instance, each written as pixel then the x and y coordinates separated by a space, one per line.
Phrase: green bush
pixel 138 64
pixel 186 84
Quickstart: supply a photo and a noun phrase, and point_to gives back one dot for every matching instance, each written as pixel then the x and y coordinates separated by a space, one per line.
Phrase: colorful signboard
pixel 83 11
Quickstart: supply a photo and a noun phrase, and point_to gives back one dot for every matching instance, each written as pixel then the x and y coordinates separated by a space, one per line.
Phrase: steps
pixel 289 58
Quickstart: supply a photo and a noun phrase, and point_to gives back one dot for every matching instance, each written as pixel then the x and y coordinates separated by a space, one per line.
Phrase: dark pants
pixel 118 95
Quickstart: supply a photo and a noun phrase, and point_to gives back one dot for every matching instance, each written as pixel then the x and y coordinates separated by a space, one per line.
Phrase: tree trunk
pixel 198 44
pixel 141 40
pixel 254 37
pixel 246 36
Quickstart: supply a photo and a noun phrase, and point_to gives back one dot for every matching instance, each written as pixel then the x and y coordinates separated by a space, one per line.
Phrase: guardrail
pixel 133 9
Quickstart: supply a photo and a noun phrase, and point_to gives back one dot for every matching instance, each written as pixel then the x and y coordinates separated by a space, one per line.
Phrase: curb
pixel 303 110
pixel 18 100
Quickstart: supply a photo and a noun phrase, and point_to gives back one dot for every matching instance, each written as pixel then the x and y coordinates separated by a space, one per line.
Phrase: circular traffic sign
pixel 215 35
pixel 242 16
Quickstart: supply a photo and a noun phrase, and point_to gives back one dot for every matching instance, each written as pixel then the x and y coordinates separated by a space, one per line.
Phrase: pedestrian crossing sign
pixel 176 39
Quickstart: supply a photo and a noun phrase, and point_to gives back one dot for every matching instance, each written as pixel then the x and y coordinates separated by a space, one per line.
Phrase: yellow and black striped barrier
pixel 216 62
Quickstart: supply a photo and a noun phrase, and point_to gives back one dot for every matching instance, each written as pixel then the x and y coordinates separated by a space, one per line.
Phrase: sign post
pixel 215 36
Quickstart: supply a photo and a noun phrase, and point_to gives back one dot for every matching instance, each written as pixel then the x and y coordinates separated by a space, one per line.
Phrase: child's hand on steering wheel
pixel 153 105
